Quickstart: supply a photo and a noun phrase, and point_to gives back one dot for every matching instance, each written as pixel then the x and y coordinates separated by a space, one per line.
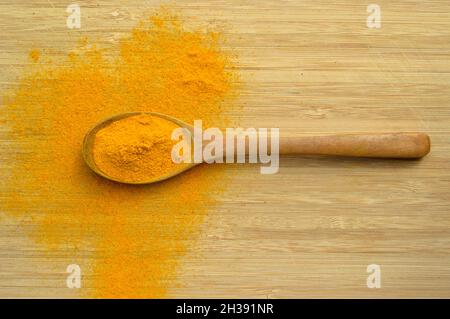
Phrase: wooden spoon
pixel 377 145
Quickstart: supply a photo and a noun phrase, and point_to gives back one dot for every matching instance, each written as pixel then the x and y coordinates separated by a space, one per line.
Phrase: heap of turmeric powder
pixel 135 149
pixel 127 240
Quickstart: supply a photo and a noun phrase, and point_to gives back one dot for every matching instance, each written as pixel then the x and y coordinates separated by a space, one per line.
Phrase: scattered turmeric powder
pixel 35 55
pixel 127 239
pixel 135 149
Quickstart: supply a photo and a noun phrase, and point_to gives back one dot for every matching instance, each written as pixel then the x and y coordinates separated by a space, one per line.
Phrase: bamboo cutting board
pixel 312 229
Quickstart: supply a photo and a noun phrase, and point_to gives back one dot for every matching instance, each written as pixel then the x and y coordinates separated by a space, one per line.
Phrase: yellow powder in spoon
pixel 135 149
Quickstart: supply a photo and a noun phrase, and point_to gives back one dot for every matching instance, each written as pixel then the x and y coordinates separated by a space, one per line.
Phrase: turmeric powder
pixel 135 149
pixel 127 240
pixel 34 55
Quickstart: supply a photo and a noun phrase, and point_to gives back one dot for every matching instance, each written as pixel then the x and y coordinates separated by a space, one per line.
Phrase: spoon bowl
pixel 89 139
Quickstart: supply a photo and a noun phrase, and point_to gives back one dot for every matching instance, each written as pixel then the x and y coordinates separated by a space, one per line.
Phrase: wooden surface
pixel 312 229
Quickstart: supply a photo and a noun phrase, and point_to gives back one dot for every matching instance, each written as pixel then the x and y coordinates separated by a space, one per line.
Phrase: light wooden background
pixel 312 229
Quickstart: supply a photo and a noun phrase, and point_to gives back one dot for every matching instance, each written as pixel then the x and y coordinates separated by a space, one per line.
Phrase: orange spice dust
pixel 137 233
pixel 35 55
pixel 136 148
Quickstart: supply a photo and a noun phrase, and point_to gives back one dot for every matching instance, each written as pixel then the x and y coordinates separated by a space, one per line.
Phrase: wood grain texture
pixel 312 229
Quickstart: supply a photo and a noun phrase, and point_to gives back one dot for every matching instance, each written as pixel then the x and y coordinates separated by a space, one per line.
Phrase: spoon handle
pixel 382 145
